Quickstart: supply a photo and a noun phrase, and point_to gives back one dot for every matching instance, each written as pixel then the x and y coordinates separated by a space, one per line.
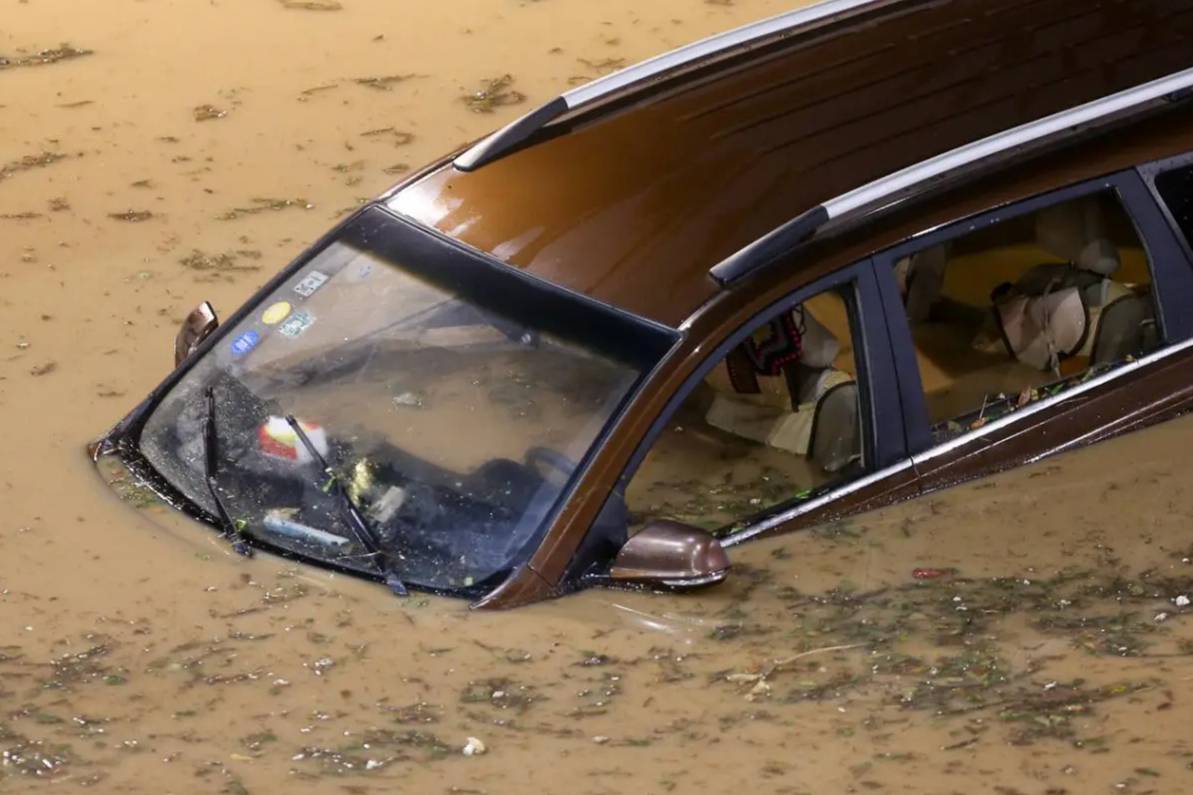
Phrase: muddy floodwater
pixel 1025 635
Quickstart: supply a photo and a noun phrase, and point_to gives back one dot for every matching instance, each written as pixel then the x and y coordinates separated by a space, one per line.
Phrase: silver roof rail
pixel 508 137
pixel 895 187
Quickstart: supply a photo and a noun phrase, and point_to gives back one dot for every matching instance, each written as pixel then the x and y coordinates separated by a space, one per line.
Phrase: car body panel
pixel 634 204
pixel 1156 138
pixel 1158 390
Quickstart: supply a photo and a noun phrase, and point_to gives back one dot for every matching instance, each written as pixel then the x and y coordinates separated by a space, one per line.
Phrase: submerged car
pixel 827 262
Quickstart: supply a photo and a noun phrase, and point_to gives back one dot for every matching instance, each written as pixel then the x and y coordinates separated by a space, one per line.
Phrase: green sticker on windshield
pixel 297 323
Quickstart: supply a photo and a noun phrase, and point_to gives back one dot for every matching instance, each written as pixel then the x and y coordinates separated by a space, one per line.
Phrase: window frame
pixel 884 442
pixel 1171 287
pixel 1148 173
pixel 123 440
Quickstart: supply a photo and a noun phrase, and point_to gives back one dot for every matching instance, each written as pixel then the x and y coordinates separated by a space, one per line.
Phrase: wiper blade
pixel 210 469
pixel 364 533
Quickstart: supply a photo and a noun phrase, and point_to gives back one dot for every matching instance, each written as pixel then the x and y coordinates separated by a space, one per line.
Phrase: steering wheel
pixel 537 457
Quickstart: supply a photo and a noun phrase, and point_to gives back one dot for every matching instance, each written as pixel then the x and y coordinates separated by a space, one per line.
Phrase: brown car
pixel 827 262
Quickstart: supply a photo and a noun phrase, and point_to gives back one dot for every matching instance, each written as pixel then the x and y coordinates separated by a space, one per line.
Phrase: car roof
pixel 633 201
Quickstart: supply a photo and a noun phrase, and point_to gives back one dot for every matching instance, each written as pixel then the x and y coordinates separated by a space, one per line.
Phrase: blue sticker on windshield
pixel 296 323
pixel 245 343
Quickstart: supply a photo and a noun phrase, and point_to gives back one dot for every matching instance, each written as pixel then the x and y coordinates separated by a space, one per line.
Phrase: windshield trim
pixel 645 342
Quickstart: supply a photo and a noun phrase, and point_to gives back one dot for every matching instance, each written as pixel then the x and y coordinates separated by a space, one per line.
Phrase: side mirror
pixel 197 327
pixel 670 554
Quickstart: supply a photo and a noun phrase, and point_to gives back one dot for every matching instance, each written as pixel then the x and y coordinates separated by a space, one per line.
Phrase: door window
pixel 777 420
pixel 1176 189
pixel 1024 308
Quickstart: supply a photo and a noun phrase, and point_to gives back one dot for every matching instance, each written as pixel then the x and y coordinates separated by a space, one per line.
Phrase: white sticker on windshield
pixel 296 323
pixel 310 283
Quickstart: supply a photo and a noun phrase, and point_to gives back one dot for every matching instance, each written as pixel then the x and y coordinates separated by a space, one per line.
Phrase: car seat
pixel 1127 327
pixel 836 439
pixel 777 409
pixel 921 280
pixel 1054 310
pixel 1041 330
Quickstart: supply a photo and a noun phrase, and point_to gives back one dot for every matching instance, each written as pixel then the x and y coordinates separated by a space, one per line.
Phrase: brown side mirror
pixel 197 327
pixel 670 554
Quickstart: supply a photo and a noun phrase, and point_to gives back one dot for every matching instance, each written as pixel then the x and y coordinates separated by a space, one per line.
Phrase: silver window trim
pixel 845 489
pixel 712 45
pixel 946 447
pixel 494 145
pixel 1059 397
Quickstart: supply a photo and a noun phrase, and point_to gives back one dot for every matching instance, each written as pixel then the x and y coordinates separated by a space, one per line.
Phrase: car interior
pixel 1018 310
pixel 776 419
pixel 1000 317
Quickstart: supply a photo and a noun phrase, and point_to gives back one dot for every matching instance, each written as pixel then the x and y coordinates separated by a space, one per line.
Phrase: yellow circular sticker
pixel 276 313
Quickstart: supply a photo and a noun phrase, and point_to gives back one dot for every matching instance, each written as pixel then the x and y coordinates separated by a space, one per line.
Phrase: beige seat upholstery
pixel 1127 328
pixel 781 412
pixel 836 439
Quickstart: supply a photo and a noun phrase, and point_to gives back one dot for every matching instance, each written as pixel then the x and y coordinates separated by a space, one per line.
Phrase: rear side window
pixel 1176 188
pixel 1017 311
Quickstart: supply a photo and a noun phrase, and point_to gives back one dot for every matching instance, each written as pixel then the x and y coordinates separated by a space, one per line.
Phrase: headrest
pixel 1040 330
pixel 1099 256
pixel 1076 232
pixel 921 278
pixel 820 346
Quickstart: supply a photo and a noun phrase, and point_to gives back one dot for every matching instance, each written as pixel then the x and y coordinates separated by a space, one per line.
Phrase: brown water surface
pixel 1027 634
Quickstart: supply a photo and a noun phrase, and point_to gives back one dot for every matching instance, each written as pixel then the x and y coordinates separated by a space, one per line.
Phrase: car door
pixel 1048 324
pixel 792 419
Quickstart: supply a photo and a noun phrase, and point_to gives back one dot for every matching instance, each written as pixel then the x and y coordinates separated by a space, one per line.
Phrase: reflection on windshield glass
pixel 451 427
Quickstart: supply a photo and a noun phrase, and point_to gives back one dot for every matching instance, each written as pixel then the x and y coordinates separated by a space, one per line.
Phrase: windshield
pixel 451 398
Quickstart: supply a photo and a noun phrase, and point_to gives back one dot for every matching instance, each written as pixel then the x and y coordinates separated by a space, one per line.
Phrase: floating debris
pixel 34 758
pixel 132 216
pixel 22 216
pixel 474 747
pixel 400 137
pixel 216 265
pixel 208 113
pixel 306 94
pixel 412 400
pixel 29 162
pixel 501 693
pixel 80 104
pixel 396 168
pixel 928 573
pixel 258 740
pixel 311 5
pixel 59 204
pixel 361 756
pixel 604 66
pixel 44 57
pixel 418 712
pixel 494 93
pixel 43 369
pixel 265 205
pixel 385 83
pixel 322 665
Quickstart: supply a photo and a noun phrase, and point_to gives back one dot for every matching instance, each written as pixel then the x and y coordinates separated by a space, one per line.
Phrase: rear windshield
pixel 1176 188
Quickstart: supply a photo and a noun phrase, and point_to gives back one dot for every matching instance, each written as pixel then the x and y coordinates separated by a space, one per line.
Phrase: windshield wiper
pixel 210 466
pixel 365 536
